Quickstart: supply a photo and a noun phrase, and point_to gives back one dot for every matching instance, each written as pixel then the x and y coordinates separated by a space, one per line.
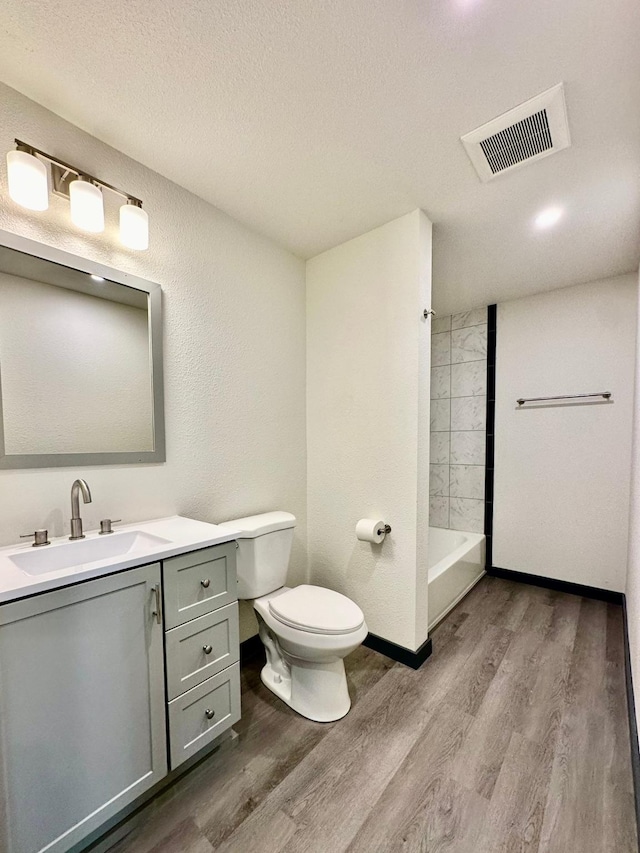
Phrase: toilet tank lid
pixel 258 525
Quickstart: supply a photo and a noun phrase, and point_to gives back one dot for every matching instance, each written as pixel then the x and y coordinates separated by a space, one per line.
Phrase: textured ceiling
pixel 313 122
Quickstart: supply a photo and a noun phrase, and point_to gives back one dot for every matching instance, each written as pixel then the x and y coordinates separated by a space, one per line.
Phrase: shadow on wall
pixel 366 557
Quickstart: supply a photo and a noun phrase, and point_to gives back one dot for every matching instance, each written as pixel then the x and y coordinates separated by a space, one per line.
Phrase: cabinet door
pixel 82 717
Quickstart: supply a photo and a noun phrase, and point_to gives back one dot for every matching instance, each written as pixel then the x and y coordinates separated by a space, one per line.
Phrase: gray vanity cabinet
pixel 202 648
pixel 82 708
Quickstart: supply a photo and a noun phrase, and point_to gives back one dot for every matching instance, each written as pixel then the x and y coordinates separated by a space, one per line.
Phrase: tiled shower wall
pixel 458 421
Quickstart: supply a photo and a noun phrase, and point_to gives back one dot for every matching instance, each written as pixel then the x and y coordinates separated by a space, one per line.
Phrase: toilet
pixel 306 630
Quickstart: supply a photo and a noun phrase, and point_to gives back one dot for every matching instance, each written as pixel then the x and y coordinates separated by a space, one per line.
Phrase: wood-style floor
pixel 513 736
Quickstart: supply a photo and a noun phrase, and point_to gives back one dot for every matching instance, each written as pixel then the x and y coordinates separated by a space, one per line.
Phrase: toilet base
pixel 317 691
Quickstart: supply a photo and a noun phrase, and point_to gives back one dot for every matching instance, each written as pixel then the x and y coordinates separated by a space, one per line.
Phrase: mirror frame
pixel 154 291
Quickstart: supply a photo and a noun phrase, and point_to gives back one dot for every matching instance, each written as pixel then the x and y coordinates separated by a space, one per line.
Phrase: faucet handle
pixel 40 537
pixel 105 525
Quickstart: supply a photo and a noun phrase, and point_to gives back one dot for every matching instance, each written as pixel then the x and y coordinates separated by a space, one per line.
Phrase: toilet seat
pixel 316 610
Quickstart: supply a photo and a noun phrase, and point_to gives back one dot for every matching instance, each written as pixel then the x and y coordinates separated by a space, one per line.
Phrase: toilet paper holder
pixel 372 530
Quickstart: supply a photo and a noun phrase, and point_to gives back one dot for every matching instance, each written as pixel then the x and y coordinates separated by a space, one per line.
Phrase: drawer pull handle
pixel 207 649
pixel 209 714
pixel 158 602
pixel 205 583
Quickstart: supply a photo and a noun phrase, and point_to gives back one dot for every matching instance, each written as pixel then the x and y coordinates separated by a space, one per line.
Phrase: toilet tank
pixel 264 546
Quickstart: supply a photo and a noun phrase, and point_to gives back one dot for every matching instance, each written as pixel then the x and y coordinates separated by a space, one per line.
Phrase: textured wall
pixel 561 500
pixel 633 569
pixel 234 338
pixel 367 355
pixel 458 420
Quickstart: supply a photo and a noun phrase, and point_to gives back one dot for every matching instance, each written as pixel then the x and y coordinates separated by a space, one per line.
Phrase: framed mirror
pixel 80 361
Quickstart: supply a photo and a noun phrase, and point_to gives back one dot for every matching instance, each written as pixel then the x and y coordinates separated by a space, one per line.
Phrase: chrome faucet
pixel 76 521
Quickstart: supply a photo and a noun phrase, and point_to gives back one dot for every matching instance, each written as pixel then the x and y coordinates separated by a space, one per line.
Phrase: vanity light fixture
pixel 27 177
pixel 134 225
pixel 28 186
pixel 87 206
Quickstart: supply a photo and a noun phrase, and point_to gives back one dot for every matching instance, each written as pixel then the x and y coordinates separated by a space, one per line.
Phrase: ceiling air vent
pixel 529 132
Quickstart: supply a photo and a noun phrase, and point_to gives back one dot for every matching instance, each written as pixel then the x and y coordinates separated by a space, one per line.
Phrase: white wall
pixel 633 568
pixel 234 350
pixel 562 472
pixel 368 422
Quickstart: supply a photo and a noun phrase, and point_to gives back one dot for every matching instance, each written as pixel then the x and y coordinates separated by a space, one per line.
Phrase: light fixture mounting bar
pixel 60 179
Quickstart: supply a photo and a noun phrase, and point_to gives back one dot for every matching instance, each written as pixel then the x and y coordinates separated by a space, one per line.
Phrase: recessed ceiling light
pixel 548 217
pixel 97 278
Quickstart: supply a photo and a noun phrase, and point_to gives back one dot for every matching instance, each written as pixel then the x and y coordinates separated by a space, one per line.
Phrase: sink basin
pixel 69 555
pixel 26 571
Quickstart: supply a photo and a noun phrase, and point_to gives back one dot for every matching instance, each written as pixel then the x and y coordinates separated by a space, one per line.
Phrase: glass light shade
pixel 134 227
pixel 87 207
pixel 27 180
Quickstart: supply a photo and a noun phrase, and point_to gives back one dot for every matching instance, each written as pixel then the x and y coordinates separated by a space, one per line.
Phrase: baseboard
pixel 250 649
pixel 631 710
pixel 560 586
pixel 399 653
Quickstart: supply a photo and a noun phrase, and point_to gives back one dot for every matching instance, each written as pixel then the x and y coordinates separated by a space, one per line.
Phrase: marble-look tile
pixel 469 413
pixel 466 514
pixel 439 448
pixel 440 415
pixel 439 480
pixel 469 318
pixel 466 481
pixel 440 349
pixel 438 511
pixel 467 448
pixel 440 382
pixel 440 324
pixel 469 379
pixel 468 344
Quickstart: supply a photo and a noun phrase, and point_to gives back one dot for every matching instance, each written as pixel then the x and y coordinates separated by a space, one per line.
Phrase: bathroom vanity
pixel 118 663
pixel 119 650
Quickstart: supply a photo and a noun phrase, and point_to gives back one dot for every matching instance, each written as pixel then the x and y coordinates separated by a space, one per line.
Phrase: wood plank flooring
pixel 513 736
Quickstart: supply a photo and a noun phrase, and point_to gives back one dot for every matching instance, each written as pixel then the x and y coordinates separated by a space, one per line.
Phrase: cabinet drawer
pixel 201 648
pixel 203 713
pixel 198 583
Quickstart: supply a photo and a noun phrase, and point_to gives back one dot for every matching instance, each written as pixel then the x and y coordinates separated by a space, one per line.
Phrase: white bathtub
pixel 456 564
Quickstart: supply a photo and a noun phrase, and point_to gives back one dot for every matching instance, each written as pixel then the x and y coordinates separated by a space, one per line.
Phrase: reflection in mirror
pixel 76 371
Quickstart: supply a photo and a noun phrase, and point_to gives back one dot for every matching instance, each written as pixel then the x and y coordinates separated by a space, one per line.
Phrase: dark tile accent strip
pixel 560 586
pixel 399 653
pixel 492 315
pixel 488 487
pixel 631 710
pixel 250 649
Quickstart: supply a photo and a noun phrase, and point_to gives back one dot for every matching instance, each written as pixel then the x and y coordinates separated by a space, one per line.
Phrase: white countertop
pixel 184 534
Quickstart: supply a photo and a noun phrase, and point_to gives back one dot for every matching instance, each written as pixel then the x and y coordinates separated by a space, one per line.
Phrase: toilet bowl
pixel 305 662
pixel 307 630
